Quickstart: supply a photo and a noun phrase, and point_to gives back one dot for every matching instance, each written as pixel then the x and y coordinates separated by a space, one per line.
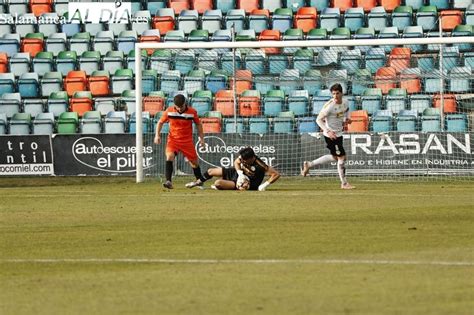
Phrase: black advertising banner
pixel 101 154
pixel 398 153
pixel 26 155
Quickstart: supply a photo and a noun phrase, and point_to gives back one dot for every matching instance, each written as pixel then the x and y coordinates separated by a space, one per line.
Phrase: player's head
pixel 179 100
pixel 247 155
pixel 336 91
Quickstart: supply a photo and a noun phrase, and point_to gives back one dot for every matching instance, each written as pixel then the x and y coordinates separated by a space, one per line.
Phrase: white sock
pixel 341 169
pixel 322 160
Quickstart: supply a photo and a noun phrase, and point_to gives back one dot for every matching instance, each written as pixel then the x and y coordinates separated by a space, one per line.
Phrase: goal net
pixel 411 102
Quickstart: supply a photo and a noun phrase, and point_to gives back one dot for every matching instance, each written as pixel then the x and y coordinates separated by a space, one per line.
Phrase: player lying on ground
pixel 332 119
pixel 180 136
pixel 248 173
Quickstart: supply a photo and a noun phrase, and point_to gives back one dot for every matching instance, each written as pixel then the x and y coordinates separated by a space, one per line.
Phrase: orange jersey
pixel 181 124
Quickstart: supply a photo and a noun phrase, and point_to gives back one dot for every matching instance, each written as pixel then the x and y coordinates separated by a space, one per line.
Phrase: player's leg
pixel 170 156
pixel 223 184
pixel 210 173
pixel 340 155
pixel 190 153
pixel 328 158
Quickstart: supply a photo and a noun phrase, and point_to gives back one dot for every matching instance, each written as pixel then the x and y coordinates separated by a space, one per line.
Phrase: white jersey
pixel 332 117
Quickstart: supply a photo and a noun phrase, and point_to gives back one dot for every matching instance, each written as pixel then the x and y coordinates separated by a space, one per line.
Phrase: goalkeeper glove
pixel 242 178
pixel 263 186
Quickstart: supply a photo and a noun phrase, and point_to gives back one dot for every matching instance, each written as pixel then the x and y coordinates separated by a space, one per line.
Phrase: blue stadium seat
pixel 362 79
pixel 407 121
pixel 193 81
pixel 303 60
pixel 225 5
pixel 28 84
pixel 56 43
pixel 122 80
pixel 126 41
pixel 396 100
pixel 146 123
pixel 415 4
pixel 141 21
pixel 354 18
pixel 227 62
pixel 460 79
pixel 160 60
pixel 33 106
pixel 329 18
pixel 149 81
pixel 375 58
pixel 258 125
pixel 215 81
pixel 371 100
pixel 313 81
pixel 420 102
pixel 282 19
pixel 377 18
pixel 258 21
pixel 456 122
pixel 273 103
pixel 20 124
pixel 130 60
pixel 277 63
pixel 202 101
pixel 43 124
pixel 294 5
pixel 307 125
pixel 255 61
pixel 188 20
pixel 103 42
pixel 10 43
pixel 7 83
pixel 115 122
pixel 451 57
pixel 388 32
pixel 212 20
pixel 90 123
pixel 351 60
pixel 104 105
pixel 402 16
pixel 431 120
pixel 184 61
pixel 20 63
pixel 43 62
pixel 58 102
pixel 382 121
pixel 298 102
pixel 283 125
pixel 236 18
pixel 170 81
pixel 328 56
pixel 89 61
pixel 10 104
pixel 364 33
pixel 413 32
pixel 427 17
pixel 80 42
pixel 319 100
pixel 290 80
pixel 271 5
pixel 432 80
pixel 234 126
pixel 319 4
pixel 46 23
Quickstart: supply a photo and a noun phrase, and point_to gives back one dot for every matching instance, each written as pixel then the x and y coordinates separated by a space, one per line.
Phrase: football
pixel 243 185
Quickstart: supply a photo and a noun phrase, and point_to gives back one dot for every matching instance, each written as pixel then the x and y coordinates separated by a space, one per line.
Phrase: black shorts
pixel 231 174
pixel 335 146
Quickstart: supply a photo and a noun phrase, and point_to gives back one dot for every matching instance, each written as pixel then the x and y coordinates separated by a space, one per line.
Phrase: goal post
pixel 412 146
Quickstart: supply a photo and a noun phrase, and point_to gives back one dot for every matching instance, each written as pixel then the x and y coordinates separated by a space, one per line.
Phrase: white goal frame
pixel 260 44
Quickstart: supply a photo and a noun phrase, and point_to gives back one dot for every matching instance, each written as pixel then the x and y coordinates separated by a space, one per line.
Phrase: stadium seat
pixel 201 5
pixel 351 60
pixel 461 4
pixel 340 77
pixel 46 23
pixel 426 62
pixel 307 125
pixel 282 19
pixel 164 20
pixel 255 61
pixel 289 80
pixel 211 20
pixel 329 18
pixel 431 120
pixel 51 82
pixel 179 5
pixel 377 18
pixel 402 16
pixel 188 20
pixel 396 99
pixel 222 36
pixel 149 81
pixel 154 102
pixel 328 57
pixel 291 34
pixel 460 79
pixel 80 42
pixel 243 81
pixel 400 58
pixel 94 28
pixel 366 5
pixel 410 80
pixel 150 36
pixel 215 81
pixel 208 60
pixel 463 30
pixel 295 5
pixel 249 103
pixel 298 102
pixel 224 102
pixel 193 81
pixel 89 61
pixel 456 122
pixel 360 121
pixel 354 18
pixel 28 85
pixel 55 43
pixel 283 125
pixel 305 18
pixel 43 62
pixel 361 80
pixel 271 5
pixel 386 79
pixel 319 4
pixel 273 103
pixel 115 122
pixel 170 81
pixel 413 32
pixel 201 101
pixel 184 61
pixel 259 125
pixel 32 43
pixel 382 121
pixel 388 32
pixel 3 62
pixel 58 102
pixel 28 24
pixel 160 61
pixel 99 83
pixel 154 5
pixel 211 125
pixel 270 35
pixel 318 101
pixel 235 18
pixel 81 102
pixel 371 100
pixel 390 5
pixel 20 63
pixel 141 21
pixel 10 103
pixel 122 80
pixel 419 102
pixel 7 83
pixel 451 58
pixel 450 19
pixel 259 20
pixel 432 80
pixel 33 106
pixel 303 60
pixel 128 101
pixel 75 81
pixel 469 14
pixel 66 62
pixel 43 124
pixel 20 124
pixel 126 41
pixel 232 125
pixel 91 123
pixel 104 105
pixel 427 17
pixel 10 43
pixel 103 42
pixel 407 121
pixel 146 123
pixel 68 122
pixel 67 27
pixel 449 102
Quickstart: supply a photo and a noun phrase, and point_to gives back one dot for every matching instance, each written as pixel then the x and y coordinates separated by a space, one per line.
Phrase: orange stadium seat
pixel 386 79
pixel 211 125
pixel 75 81
pixel 390 5
pixel 411 81
pixel 81 102
pixel 450 19
pixel 243 82
pixel 153 104
pixel 399 58
pixel 270 35
pixel 247 5
pixel 164 23
pixel 224 102
pixel 249 106
pixel 99 83
pixel 3 62
pixel 150 36
pixel 343 5
pixel 39 7
pixel 179 5
pixel 360 121
pixel 306 18
pixel 32 43
pixel 449 102
pixel 367 5
pixel 201 5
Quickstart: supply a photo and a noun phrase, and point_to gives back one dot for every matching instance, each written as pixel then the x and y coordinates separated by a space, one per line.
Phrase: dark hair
pixel 179 100
pixel 247 153
pixel 336 87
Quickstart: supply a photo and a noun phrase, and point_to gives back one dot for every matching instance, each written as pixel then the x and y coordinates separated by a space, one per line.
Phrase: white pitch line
pixel 241 261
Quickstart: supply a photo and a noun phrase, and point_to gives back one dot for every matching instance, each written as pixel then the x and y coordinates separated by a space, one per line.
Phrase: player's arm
pixel 200 130
pixel 321 120
pixel 159 126
pixel 242 177
pixel 274 176
pixel 347 119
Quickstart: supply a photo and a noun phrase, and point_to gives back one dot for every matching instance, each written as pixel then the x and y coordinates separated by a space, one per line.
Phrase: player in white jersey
pixel 332 119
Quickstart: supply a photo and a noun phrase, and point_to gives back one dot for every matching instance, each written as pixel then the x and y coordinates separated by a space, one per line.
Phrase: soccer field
pixel 110 246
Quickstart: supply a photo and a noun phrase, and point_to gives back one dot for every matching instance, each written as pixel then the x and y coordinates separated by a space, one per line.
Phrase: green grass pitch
pixel 110 246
